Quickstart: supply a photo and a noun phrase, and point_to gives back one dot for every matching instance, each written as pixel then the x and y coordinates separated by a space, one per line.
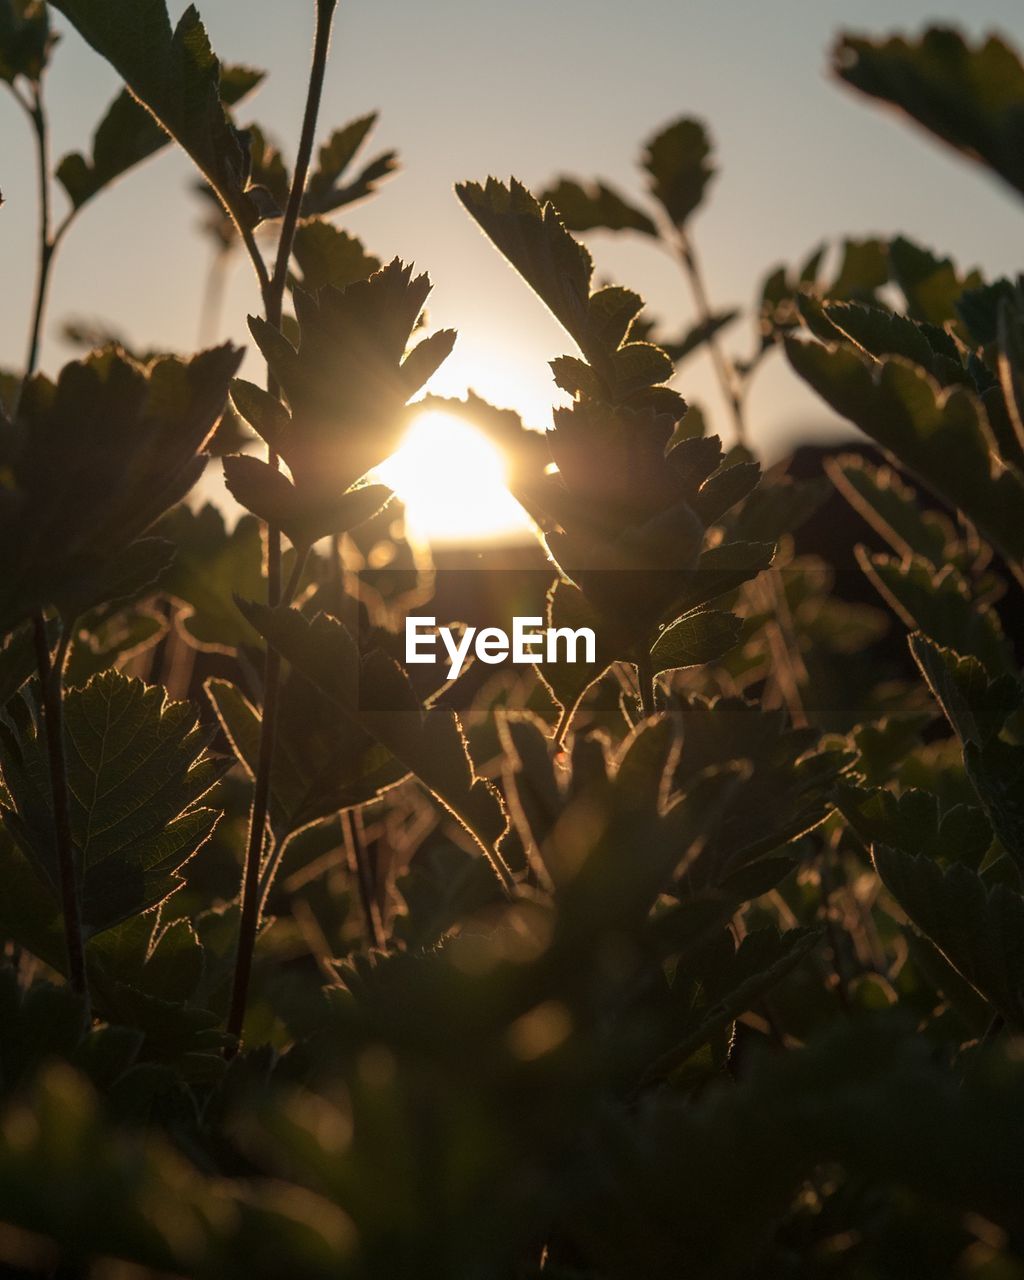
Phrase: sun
pixel 451 479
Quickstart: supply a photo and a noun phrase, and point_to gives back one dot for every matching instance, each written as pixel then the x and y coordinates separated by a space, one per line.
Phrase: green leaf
pixel 347 385
pixel 25 39
pixel 940 435
pixel 329 256
pixel 975 704
pixel 210 565
pixel 93 461
pixel 893 509
pixel 536 242
pixel 137 770
pixel 930 284
pixel 559 269
pixel 322 762
pixel 176 77
pixel 696 639
pixel 326 190
pixel 596 206
pixel 781 787
pixel 938 602
pixel 969 95
pixel 717 998
pixel 678 161
pixel 979 930
pixel 567 682
pixel 914 822
pixel 978 309
pixel 375 692
pixel 863 270
pixel 129 134
pixel 879 332
pixel 303 517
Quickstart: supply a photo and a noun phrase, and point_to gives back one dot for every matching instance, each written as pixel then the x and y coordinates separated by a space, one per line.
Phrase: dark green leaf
pixel 137 770
pixel 678 160
pixel 970 96
pixel 596 207
pixel 174 75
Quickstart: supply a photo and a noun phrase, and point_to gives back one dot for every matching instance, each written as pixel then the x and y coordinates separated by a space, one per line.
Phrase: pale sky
pixel 531 88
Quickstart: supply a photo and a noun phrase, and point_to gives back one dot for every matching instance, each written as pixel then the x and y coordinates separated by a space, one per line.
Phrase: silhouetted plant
pixel 701 959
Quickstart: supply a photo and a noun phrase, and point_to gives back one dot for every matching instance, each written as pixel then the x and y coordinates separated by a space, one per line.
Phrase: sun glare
pixel 452 482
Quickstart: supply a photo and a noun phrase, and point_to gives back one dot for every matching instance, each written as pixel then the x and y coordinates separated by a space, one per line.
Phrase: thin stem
pixel 728 378
pixel 51 687
pixel 47 244
pixel 256 887
pixel 645 678
pixel 359 865
pixel 321 43
pixel 273 297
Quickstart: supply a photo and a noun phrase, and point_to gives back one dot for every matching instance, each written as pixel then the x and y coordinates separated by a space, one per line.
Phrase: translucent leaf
pixel 137 770
pixel 175 76
pixel 129 134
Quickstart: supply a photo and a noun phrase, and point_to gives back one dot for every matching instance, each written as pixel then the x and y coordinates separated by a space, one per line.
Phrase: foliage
pixel 703 958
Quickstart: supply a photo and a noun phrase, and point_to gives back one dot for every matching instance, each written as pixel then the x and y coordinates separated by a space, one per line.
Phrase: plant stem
pixel 46 245
pixel 273 298
pixel 725 370
pixel 51 687
pixel 359 864
pixel 321 44
pixel 254 887
pixel 645 678
pixel 51 674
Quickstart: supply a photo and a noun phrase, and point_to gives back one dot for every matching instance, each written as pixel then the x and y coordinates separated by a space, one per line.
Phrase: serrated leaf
pixel 975 704
pixel 695 639
pixel 304 518
pixel 322 762
pixel 537 244
pixel 348 383
pixel 93 461
pixel 940 435
pixel 326 191
pixel 376 693
pixel 914 822
pixel 969 95
pixel 210 565
pixel 137 770
pixel 567 607
pixel 596 206
pixel 762 960
pixel 129 134
pixel 980 931
pixel 329 256
pixel 892 509
pixel 938 602
pixel 678 160
pixel 175 76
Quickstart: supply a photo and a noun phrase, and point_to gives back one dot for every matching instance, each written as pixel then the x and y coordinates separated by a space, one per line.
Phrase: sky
pixel 467 88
